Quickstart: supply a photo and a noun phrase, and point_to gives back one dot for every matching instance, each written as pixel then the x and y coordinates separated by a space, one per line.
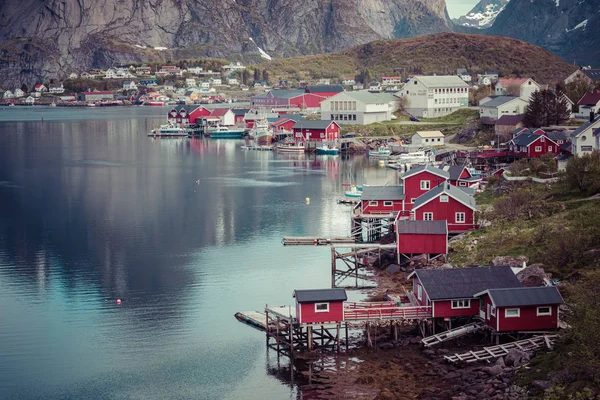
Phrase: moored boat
pixel 291 147
pixel 382 151
pixel 224 132
pixel 261 131
pixel 413 158
pixel 156 103
pixel 353 192
pixel 327 150
pixel 168 131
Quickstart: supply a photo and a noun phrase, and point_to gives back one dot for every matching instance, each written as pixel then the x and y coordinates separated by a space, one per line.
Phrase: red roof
pixel 506 82
pixel 219 112
pixel 39 85
pixel 590 98
pixel 280 121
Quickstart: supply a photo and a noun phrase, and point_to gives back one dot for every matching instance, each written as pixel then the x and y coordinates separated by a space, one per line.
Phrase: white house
pixel 590 102
pixel 498 106
pixel 348 82
pixel 195 70
pixel 484 80
pixel 374 87
pixel 169 86
pixel 35 94
pixel 324 81
pixel 56 88
pixel 19 93
pixel 359 107
pixel 190 82
pixel 435 96
pixel 87 75
pixel 233 67
pixel 8 95
pixel 215 81
pixel 232 81
pixel 40 88
pixel 73 75
pixel 391 80
pixel 586 138
pixel 427 138
pixel 29 100
pixel 522 87
pixel 205 85
pixel 463 74
pixel 129 85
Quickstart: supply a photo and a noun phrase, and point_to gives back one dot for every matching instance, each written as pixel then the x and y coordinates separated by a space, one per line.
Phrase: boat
pixel 53 104
pixel 11 105
pixel 168 130
pixel 382 151
pixel 353 192
pixel 261 131
pixel 413 158
pixel 91 104
pixel 224 132
pixel 156 103
pixel 325 149
pixel 291 147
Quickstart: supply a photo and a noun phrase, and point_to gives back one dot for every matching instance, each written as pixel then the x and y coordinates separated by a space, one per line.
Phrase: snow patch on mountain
pixel 580 25
pixel 263 53
pixel 483 14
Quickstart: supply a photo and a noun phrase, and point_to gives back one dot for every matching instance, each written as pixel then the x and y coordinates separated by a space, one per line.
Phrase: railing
pixel 364 314
pixel 371 304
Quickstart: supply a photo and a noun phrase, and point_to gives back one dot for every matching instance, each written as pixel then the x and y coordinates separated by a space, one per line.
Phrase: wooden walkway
pixel 316 241
pixel 452 334
pixel 385 311
pixel 501 350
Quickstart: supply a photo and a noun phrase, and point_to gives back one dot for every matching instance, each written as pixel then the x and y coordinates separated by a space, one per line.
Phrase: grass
pixel 458 117
pixel 393 128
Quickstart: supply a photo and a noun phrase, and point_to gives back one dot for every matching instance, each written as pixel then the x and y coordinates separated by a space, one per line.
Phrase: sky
pixel 456 8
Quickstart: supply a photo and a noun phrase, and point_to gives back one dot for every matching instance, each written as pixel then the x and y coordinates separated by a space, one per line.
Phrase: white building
pixel 190 82
pixel 56 88
pixel 195 70
pixel 30 100
pixel 8 95
pixel 359 107
pixel 324 81
pixel 391 80
pixel 19 93
pixel 233 67
pixel 497 106
pixel 215 81
pixel 586 138
pixel 232 81
pixel 169 87
pixel 374 87
pixel 522 87
pixel 40 88
pixel 348 82
pixel 427 139
pixel 205 85
pixel 129 85
pixel 435 96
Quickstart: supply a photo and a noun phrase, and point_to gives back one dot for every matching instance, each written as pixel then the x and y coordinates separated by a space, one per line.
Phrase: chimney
pixel 592 116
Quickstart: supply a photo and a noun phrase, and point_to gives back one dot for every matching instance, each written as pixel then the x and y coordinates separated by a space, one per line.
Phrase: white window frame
pixel 388 203
pixel 444 198
pixel 549 148
pixel 419 292
pixel 462 184
pixel 320 304
pixel 457 219
pixel 427 214
pixel 374 203
pixel 461 304
pixel 493 313
pixel 538 148
pixel 542 139
pixel 412 200
pixel 543 314
pixel 425 185
pixel 506 314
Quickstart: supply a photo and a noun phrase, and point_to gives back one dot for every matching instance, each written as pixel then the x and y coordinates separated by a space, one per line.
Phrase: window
pixel 461 304
pixel 419 292
pixel 322 135
pixel 428 216
pixel 426 140
pixel 321 307
pixel 512 312
pixel 374 203
pixel 460 218
pixel 425 185
pixel 541 311
pixel 443 198
pixel 388 203
pixel 549 148
pixel 412 200
pixel 493 311
pixel 542 139
pixel 583 138
pixel 538 148
pixel 463 184
pixel 415 81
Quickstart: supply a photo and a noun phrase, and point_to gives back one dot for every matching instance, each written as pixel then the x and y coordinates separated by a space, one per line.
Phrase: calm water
pixel 185 232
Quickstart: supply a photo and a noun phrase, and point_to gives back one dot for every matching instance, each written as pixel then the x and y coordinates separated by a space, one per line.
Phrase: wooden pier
pixel 349 264
pixel 501 350
pixel 315 241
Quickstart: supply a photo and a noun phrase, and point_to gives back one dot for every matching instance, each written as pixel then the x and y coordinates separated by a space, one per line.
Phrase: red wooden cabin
pixel 239 114
pixel 382 200
pixel 520 308
pixel 317 306
pixel 450 291
pixel 198 113
pixel 421 237
pixel 449 203
pixel 419 180
pixel 310 130
pixel 462 177
pixel 283 125
pixel 533 145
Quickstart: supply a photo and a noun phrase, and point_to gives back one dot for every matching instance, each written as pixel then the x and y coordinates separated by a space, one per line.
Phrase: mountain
pixel 568 28
pixel 42 39
pixel 440 53
pixel 482 15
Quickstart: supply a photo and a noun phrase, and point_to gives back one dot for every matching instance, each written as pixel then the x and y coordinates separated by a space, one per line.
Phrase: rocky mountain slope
pixel 41 39
pixel 483 14
pixel 568 28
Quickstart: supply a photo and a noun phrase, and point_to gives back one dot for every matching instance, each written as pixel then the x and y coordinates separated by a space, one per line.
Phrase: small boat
pixel 325 149
pixel 91 105
pixel 291 147
pixel 11 105
pixel 353 192
pixel 380 152
pixel 413 158
pixel 168 131
pixel 156 103
pixel 53 104
pixel 224 132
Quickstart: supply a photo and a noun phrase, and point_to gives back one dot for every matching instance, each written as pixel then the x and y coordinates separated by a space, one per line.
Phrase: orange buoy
pixel 118 301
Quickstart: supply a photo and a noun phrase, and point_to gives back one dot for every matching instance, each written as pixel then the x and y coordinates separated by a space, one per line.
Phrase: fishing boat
pixel 224 132
pixel 168 130
pixel 156 103
pixel 261 131
pixel 291 147
pixel 353 192
pixel 382 151
pixel 327 150
pixel 414 158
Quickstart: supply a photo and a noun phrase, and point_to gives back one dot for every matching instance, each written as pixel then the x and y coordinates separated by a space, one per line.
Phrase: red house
pixel 318 306
pixel 449 203
pixel 420 180
pixel 239 114
pixel 287 99
pixel 324 90
pixel 462 177
pixel 198 113
pixel 450 291
pixel 421 237
pixel 283 125
pixel 533 145
pixel 382 200
pixel 520 308
pixel 310 130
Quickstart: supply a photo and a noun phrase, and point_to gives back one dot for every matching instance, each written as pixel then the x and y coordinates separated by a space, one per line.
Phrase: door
pixel 481 309
pixel 488 312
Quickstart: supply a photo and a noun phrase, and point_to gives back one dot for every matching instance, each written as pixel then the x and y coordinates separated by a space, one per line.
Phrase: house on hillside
pixel 286 100
pixel 40 88
pixel 461 176
pixel 532 145
pixel 348 82
pixel 310 130
pixel 56 88
pixel 587 74
pixel 498 106
pixel 586 138
pixel 427 139
pixel 450 291
pixel 382 200
pixel 18 93
pixel 143 70
pixel 420 180
pixel 463 74
pixel 508 123
pixel 169 86
pixel 421 237
pixel 8 95
pixel 374 87
pixel 520 308
pixel 30 100
pixel 435 96
pixel 129 85
pixel 149 82
pixel 318 306
pixel 589 103
pixel 518 87
pixel 358 107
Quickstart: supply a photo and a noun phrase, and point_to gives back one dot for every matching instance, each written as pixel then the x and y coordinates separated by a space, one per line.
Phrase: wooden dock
pixel 501 350
pixel 315 241
pixel 258 148
pixel 255 319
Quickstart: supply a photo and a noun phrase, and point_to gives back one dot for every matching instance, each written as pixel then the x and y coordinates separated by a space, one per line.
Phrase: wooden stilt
pixel 337 337
pixel 368 329
pixel 395 331
pixel 347 342
pixel 333 265
pixel 310 337
pixel 322 337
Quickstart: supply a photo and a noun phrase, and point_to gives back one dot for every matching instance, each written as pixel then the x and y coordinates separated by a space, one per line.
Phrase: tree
pixel 256 75
pixel 546 107
pixel 24 88
pixel 265 75
pixel 513 90
pixel 577 88
pixel 583 173
pixel 245 76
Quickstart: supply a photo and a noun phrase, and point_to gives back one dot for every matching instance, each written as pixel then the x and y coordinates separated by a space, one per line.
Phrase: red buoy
pixel 118 301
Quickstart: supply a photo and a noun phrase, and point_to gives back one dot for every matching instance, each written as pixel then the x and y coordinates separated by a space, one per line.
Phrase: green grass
pixel 393 128
pixel 458 117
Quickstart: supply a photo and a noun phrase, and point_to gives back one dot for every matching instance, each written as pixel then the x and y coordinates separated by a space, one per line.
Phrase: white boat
pixel 224 132
pixel 326 149
pixel 261 131
pixel 353 192
pixel 414 158
pixel 291 147
pixel 168 130
pixel 380 152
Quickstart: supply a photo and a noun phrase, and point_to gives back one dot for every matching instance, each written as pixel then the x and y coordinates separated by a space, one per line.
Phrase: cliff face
pixel 565 27
pixel 483 14
pixel 73 35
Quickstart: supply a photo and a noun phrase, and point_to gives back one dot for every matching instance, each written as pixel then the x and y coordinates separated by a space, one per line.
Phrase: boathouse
pixel 382 200
pixel 198 113
pixel 421 237
pixel 317 306
pixel 317 131
pixel 461 176
pixel 420 180
pixel 451 292
pixel 520 308
pixel 449 203
pixel 225 115
pixel 533 145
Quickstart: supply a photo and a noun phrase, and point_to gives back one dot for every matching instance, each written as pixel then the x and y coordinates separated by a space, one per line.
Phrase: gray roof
pixel 324 88
pixel 525 296
pixel 382 193
pixel 585 126
pixel 428 168
pixel 510 119
pixel 448 189
pixel 240 111
pixel 455 171
pixel 442 81
pixel 312 124
pixel 317 295
pixel 422 227
pixel 498 101
pixel 557 135
pixel 367 97
pixel 593 74
pixel 460 283
pixel 525 139
pixel 287 94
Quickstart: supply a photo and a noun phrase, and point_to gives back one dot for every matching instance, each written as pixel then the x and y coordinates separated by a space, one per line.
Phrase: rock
pixel 385 394
pixel 386 346
pixel 493 370
pixel 393 269
pixel 515 357
pixel 443 351
pixel 541 385
pixel 418 261
pixel 429 353
pixel 500 362
pixel 452 375
pixel 509 261
pixel 446 266
pixel 415 340
pixel 460 397
pixel 533 275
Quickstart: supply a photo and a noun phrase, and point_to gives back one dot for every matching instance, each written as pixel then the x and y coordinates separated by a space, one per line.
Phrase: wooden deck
pixel 386 312
pixel 316 241
pixel 488 353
